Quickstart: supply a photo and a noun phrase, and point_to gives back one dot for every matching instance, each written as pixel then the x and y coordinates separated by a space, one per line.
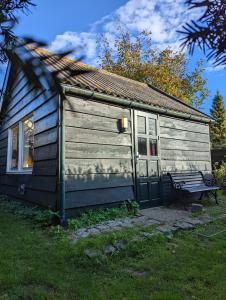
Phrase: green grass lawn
pixel 36 265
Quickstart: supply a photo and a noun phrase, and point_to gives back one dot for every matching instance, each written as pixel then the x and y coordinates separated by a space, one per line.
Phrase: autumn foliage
pixel 136 58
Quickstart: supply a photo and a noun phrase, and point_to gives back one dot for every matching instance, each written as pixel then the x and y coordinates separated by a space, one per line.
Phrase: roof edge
pixel 178 100
pixel 70 89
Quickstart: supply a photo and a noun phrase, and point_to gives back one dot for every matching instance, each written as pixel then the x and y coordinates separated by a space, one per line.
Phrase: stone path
pixel 165 220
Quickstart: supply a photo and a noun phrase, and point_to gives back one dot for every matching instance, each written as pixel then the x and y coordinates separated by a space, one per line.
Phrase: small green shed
pixel 110 139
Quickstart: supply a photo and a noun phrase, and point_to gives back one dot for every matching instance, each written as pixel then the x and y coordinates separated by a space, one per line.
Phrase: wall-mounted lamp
pixel 123 124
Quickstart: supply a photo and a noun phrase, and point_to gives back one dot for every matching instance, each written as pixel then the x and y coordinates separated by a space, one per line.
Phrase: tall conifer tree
pixel 218 129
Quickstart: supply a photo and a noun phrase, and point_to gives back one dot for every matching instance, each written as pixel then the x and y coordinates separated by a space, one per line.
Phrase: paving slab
pixel 165 215
pixel 194 221
pixel 183 225
pixel 206 219
pixel 150 235
pixel 166 229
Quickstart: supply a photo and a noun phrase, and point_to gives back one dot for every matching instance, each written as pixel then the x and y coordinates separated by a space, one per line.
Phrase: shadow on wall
pixel 187 166
pixel 98 176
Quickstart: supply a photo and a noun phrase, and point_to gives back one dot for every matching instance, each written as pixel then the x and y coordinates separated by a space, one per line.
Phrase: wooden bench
pixel 193 182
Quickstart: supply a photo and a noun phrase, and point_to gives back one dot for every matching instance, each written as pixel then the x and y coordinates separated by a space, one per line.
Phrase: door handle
pixel 137 157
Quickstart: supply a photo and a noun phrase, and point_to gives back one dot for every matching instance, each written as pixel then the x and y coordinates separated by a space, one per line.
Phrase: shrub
pixel 219 172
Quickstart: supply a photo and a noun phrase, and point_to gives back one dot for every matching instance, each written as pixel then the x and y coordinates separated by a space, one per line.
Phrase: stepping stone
pixel 82 233
pixel 103 228
pixel 150 222
pixel 136 273
pixel 121 244
pixel 109 249
pixel 127 225
pixel 140 220
pixel 206 219
pixel 150 235
pixel 93 231
pixel 193 221
pixel 166 229
pixel 91 252
pixel 165 215
pixel 183 225
pixel 195 207
pixel 114 223
pixel 116 228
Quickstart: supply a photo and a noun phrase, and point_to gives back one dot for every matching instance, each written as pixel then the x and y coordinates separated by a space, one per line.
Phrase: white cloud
pixel 211 68
pixel 84 43
pixel 162 18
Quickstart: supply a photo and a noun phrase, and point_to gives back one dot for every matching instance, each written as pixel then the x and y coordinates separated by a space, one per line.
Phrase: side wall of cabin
pixel 41 185
pixel 99 166
pixel 184 146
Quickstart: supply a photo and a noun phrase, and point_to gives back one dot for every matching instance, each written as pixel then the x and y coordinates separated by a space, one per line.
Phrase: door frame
pixel 135 148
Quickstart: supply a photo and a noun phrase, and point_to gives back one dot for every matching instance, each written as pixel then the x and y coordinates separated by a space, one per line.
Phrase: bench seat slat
pixel 200 189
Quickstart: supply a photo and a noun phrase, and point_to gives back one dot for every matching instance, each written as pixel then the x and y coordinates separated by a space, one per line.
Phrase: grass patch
pixel 215 210
pixel 42 217
pixel 47 217
pixel 36 265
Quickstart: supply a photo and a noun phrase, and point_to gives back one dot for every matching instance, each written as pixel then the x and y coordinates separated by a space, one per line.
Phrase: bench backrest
pixel 187 179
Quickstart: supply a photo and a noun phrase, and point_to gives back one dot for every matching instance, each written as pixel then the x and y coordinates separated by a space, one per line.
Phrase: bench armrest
pixel 209 181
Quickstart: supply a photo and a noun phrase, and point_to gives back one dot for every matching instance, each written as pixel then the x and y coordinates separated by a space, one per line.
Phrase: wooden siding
pixel 41 185
pixel 98 156
pixel 184 146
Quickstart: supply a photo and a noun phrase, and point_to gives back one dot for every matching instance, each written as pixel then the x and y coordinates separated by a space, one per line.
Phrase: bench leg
pixel 216 198
pixel 214 193
pixel 200 198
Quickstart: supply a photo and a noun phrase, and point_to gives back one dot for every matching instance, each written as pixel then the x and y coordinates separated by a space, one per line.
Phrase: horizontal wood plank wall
pixel 41 185
pixel 98 156
pixel 184 146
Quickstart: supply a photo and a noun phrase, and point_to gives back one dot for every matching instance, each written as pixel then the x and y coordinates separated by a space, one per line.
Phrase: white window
pixel 20 147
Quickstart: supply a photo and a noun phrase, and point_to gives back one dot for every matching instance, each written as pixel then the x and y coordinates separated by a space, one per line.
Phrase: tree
pixel 8 19
pixel 208 32
pixel 218 129
pixel 165 69
pixel 15 49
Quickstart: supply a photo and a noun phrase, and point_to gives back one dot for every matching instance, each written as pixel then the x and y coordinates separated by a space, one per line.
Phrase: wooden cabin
pixel 108 140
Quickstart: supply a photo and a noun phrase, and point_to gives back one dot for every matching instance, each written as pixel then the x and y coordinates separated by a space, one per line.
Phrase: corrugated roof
pixel 111 84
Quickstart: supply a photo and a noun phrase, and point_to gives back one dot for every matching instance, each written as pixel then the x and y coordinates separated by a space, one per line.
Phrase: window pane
pixel 152 126
pixel 28 143
pixel 141 124
pixel 142 146
pixel 15 148
pixel 153 147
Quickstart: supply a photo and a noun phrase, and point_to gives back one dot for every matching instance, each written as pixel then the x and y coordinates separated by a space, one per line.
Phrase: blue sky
pixel 70 23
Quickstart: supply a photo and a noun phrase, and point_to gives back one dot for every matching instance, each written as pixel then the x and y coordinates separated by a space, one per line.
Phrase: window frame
pixel 20 169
